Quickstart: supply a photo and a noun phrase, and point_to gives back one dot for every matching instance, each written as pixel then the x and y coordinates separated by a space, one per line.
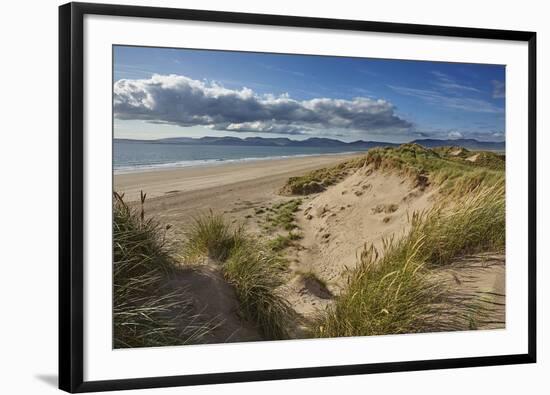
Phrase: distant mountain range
pixel 320 142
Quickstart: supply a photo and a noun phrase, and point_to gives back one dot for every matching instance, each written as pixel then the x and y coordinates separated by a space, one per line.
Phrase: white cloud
pixel 447 82
pixel 183 101
pixel 499 89
pixel 454 134
pixel 454 102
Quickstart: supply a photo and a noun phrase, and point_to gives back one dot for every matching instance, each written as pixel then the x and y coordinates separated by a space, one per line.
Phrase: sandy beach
pixel 176 195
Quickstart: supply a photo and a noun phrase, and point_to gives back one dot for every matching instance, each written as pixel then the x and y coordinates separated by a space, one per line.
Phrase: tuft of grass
pixel 475 223
pixel 252 268
pixel 145 312
pixel 390 295
pixel 281 242
pixel 213 236
pixel 255 273
pixel 318 180
pixel 282 215
pixel 394 293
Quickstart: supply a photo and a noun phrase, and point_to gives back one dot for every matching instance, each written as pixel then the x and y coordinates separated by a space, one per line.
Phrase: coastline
pixel 174 180
pixel 220 162
pixel 176 196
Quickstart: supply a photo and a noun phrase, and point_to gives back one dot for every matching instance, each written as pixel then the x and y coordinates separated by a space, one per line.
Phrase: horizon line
pixel 309 138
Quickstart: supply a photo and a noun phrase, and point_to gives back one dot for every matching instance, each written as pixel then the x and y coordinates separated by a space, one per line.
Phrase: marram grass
pixel 253 269
pixel 394 292
pixel 255 272
pixel 145 312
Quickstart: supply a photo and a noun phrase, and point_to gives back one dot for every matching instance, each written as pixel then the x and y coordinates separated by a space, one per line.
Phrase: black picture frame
pixel 71 173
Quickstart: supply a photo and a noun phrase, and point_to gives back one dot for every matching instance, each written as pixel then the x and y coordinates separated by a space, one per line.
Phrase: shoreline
pixel 220 162
pixel 176 196
pixel 259 176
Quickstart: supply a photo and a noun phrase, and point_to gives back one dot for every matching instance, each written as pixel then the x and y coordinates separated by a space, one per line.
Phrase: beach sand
pixel 236 189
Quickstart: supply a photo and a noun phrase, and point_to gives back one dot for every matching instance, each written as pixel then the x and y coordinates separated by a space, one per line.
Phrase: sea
pixel 140 156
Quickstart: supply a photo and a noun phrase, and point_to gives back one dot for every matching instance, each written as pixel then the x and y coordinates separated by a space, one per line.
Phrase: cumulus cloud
pixel 183 101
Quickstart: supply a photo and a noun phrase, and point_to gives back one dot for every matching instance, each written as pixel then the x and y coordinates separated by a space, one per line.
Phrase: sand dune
pixel 365 207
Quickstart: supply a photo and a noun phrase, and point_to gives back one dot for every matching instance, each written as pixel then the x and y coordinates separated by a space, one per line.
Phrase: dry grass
pixel 211 235
pixel 394 292
pixel 318 180
pixel 255 273
pixel 145 312
pixel 253 269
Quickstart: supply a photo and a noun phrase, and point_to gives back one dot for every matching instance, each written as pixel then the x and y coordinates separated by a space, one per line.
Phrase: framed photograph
pixel 253 197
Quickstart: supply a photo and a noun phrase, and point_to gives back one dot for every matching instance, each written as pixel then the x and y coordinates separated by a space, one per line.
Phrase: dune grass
pixel 255 273
pixel 252 268
pixel 424 166
pixel 318 180
pixel 145 312
pixel 211 235
pixel 394 292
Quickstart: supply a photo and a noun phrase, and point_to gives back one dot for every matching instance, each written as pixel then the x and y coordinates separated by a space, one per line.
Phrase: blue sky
pixel 161 92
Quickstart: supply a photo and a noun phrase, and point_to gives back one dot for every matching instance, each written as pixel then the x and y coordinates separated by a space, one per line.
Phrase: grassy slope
pixel 423 165
pixel 393 293
pixel 145 312
pixel 253 269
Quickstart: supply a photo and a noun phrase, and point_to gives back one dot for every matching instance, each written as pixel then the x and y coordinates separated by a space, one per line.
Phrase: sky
pixel 166 92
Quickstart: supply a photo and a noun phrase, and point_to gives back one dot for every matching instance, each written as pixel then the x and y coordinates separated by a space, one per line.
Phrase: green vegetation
pixel 210 235
pixel 255 273
pixel 395 292
pixel 253 269
pixel 391 292
pixel 281 242
pixel 282 215
pixel 490 160
pixel 442 166
pixel 318 180
pixel 146 312
pixel 425 167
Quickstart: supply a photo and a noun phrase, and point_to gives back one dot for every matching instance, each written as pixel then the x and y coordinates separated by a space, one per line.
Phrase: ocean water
pixel 143 156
